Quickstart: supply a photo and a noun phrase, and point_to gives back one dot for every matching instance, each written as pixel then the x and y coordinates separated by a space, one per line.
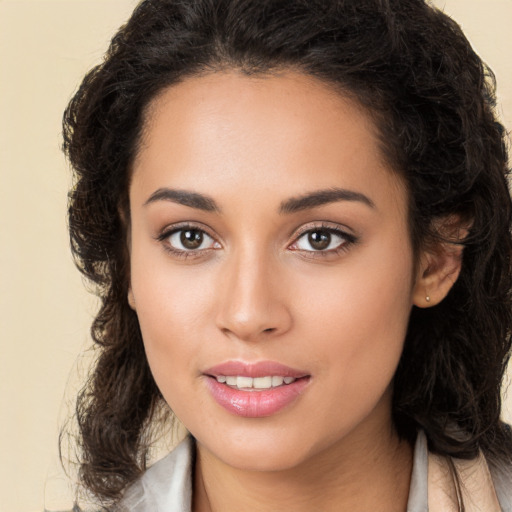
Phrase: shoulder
pixel 502 478
pixel 440 484
pixel 166 485
pixel 474 483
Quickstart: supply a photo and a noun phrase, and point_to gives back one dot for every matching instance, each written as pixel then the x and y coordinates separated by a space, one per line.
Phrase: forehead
pixel 277 133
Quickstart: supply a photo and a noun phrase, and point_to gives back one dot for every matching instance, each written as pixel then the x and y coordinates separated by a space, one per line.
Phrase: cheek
pixel 171 310
pixel 359 320
pixel 358 342
pixel 371 291
pixel 170 348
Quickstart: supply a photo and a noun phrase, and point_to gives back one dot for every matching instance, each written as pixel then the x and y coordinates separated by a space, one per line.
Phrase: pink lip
pixel 259 369
pixel 255 404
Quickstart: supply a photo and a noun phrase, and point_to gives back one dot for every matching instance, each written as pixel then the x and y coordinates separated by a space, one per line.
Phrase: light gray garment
pixel 167 485
pixel 503 486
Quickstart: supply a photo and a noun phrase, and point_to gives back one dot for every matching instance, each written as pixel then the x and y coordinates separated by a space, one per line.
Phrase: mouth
pixel 255 390
pixel 244 383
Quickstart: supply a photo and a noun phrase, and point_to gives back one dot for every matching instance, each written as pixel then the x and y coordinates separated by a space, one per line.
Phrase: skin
pixel 256 289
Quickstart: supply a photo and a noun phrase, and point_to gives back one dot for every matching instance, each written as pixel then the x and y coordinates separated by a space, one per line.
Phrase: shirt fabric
pixel 167 485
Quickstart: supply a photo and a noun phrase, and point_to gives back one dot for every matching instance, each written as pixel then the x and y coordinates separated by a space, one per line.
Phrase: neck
pixel 358 473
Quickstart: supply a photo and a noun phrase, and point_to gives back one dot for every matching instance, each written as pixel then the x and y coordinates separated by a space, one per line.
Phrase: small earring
pixel 427 298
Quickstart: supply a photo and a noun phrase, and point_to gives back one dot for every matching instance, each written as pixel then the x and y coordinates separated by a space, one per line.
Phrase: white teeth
pixel 244 382
pixel 267 382
pixel 277 381
pixel 262 382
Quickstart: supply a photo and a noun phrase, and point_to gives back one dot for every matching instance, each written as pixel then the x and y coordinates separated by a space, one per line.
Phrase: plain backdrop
pixel 46 46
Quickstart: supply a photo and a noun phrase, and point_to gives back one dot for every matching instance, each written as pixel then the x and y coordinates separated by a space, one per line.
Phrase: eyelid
pixel 183 226
pixel 331 227
pixel 324 225
pixel 334 228
pixel 172 229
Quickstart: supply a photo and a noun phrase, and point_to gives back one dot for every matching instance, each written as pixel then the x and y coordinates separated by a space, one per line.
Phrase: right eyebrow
pixel 184 197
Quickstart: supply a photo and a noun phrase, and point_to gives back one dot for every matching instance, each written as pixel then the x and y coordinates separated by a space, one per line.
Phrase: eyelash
pixel 179 253
pixel 348 238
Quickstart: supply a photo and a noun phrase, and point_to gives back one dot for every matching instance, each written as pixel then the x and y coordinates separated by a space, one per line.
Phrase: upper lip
pixel 254 370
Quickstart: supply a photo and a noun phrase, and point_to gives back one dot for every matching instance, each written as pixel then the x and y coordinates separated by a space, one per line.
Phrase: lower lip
pixel 256 404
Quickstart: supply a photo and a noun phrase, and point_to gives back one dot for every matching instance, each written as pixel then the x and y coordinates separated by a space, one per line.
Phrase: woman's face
pixel 269 244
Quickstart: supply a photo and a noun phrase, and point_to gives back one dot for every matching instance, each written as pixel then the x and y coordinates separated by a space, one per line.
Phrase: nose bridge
pixel 251 305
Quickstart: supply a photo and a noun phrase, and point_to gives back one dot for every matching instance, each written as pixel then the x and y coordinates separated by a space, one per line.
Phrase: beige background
pixel 45 48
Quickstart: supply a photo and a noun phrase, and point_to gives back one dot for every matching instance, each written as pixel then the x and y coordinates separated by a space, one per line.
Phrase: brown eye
pixel 322 240
pixel 191 239
pixel 319 240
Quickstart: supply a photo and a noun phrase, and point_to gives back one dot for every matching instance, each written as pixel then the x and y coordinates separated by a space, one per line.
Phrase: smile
pixel 254 384
pixel 255 390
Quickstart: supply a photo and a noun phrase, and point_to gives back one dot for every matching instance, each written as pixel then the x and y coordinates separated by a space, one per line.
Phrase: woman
pixel 297 217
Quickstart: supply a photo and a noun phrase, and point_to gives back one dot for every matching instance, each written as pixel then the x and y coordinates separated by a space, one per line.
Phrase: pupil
pixel 191 239
pixel 319 239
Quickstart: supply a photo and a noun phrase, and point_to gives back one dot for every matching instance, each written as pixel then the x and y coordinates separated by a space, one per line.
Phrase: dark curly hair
pixel 432 99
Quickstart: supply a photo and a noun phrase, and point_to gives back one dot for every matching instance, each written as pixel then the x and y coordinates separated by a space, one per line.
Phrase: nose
pixel 252 301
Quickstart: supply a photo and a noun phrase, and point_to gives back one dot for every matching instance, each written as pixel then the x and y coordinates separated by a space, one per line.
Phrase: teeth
pixel 277 381
pixel 244 382
pixel 267 382
pixel 262 382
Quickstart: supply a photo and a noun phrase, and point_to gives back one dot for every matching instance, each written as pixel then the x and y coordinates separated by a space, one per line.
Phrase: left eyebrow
pixel 322 197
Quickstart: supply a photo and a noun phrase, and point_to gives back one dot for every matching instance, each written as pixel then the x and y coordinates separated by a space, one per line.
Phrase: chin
pixel 259 450
pixel 257 459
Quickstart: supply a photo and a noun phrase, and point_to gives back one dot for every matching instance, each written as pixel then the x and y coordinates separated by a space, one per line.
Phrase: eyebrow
pixel 321 197
pixel 184 197
pixel 292 205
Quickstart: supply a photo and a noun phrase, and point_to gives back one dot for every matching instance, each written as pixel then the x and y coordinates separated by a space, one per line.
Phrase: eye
pixel 188 239
pixel 322 240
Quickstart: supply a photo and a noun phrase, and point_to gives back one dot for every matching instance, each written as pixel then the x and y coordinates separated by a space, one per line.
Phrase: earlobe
pixel 437 273
pixel 131 299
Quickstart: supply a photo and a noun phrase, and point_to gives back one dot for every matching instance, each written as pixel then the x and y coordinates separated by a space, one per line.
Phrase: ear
pixel 131 299
pixel 440 263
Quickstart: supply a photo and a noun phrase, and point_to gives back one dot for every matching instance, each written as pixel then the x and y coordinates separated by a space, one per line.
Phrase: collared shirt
pixel 167 485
